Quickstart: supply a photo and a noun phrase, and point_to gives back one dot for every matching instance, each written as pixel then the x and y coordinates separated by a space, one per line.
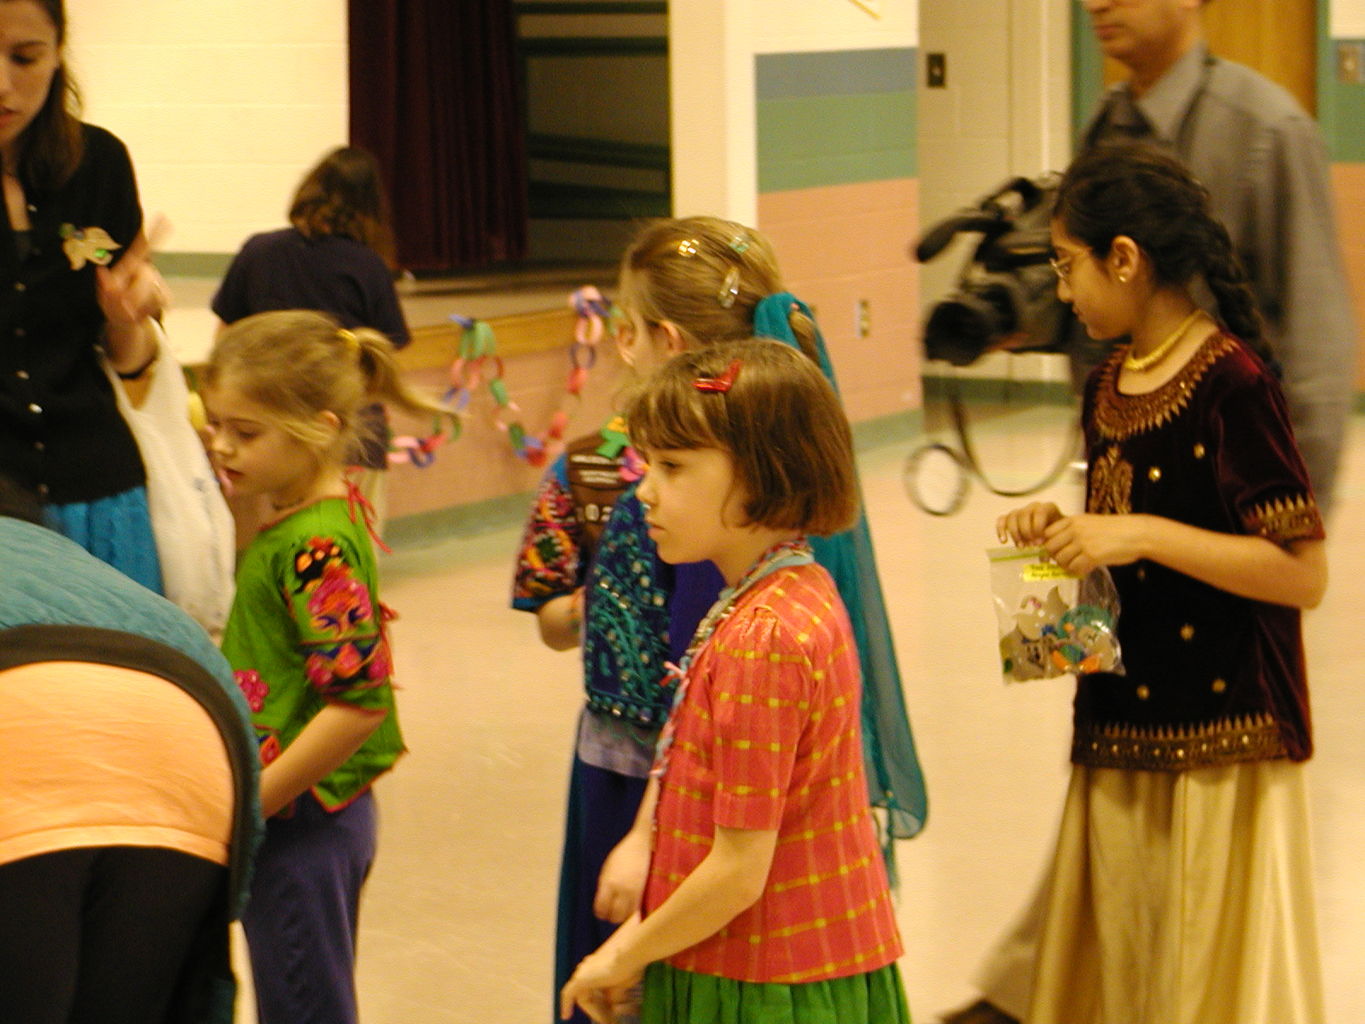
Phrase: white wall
pixel 1004 112
pixel 711 89
pixel 1347 19
pixel 712 48
pixel 782 26
pixel 223 103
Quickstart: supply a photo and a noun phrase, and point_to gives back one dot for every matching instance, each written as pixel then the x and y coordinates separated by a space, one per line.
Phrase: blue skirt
pixel 602 806
pixel 117 530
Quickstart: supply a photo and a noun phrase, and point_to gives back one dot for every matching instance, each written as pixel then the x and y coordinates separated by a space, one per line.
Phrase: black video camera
pixel 1007 289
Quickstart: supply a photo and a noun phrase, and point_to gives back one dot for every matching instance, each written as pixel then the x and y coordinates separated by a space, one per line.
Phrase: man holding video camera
pixel 1265 165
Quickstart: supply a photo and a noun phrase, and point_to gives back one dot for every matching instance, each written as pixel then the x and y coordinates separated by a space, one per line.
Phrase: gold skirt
pixel 1173 898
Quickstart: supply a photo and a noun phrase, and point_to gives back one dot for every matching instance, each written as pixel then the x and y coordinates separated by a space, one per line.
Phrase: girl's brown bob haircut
pixel 779 420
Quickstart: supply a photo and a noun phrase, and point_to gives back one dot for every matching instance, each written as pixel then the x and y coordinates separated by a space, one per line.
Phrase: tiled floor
pixel 457 920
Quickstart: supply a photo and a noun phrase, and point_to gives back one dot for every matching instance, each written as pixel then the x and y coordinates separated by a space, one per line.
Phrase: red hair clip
pixel 721 384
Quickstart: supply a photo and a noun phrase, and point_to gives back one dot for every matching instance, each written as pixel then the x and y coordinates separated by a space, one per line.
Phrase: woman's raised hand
pixel 132 290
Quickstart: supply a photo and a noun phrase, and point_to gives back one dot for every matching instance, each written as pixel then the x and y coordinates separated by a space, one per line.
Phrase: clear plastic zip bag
pixel 1052 623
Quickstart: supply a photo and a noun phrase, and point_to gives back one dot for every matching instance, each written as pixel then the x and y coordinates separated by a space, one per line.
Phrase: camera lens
pixel 962 327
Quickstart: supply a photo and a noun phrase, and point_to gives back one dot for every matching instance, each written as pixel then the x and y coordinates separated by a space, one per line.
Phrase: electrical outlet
pixel 1351 62
pixel 936 70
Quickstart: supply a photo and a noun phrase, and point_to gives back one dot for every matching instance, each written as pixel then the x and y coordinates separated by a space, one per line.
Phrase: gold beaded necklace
pixel 1140 363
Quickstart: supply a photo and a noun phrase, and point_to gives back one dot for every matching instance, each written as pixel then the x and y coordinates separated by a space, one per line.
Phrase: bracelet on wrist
pixel 141 370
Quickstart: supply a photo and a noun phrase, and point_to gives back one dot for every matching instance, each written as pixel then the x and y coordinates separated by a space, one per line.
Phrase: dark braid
pixel 1232 291
pixel 1143 193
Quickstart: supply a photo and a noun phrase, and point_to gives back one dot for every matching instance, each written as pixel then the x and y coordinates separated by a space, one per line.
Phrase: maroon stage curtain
pixel 435 96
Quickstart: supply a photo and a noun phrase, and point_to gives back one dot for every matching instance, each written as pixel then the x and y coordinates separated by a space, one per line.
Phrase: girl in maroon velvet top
pixel 1181 886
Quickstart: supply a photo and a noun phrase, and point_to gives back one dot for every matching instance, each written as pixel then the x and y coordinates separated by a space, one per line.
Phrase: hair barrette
pixel 688 247
pixel 739 243
pixel 348 339
pixel 719 385
pixel 729 289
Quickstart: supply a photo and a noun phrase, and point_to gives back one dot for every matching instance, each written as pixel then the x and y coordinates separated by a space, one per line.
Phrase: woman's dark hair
pixel 344 195
pixel 52 144
pixel 1141 192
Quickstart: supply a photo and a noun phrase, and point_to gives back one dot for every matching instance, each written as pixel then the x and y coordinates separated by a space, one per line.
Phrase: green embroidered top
pixel 307 629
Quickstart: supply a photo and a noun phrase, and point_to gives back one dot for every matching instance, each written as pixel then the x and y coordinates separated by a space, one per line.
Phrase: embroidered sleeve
pixel 340 626
pixel 760 700
pixel 1260 470
pixel 549 561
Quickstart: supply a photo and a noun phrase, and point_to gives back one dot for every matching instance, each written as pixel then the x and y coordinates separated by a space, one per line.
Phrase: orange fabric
pixel 767 737
pixel 96 755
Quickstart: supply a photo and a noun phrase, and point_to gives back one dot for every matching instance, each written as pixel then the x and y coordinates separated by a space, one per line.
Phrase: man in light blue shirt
pixel 1264 163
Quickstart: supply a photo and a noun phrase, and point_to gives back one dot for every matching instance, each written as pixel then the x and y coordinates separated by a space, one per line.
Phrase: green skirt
pixel 672 996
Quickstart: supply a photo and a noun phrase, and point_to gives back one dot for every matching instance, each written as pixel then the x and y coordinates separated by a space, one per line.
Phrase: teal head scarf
pixel 894 778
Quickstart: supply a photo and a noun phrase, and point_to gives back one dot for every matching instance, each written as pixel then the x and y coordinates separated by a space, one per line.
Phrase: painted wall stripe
pixel 841 73
pixel 835 118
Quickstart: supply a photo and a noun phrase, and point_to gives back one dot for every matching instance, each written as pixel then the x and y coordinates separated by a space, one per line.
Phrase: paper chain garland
pixel 478 362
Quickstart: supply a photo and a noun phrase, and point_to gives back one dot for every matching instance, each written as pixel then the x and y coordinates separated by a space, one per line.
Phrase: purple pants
pixel 602 806
pixel 301 921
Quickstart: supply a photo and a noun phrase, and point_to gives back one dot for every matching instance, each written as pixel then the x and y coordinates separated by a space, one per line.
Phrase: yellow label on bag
pixel 1036 571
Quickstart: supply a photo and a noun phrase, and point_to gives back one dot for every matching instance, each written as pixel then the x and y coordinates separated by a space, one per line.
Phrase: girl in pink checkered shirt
pixel 766 897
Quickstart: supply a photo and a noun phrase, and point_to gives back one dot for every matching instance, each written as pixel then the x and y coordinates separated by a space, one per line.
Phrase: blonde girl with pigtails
pixel 306 641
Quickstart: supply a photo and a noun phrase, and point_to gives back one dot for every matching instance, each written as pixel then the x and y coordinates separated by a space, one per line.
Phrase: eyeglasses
pixel 1061 265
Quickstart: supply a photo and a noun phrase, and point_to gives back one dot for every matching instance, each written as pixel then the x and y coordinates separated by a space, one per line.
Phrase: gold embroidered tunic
pixel 1211 678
